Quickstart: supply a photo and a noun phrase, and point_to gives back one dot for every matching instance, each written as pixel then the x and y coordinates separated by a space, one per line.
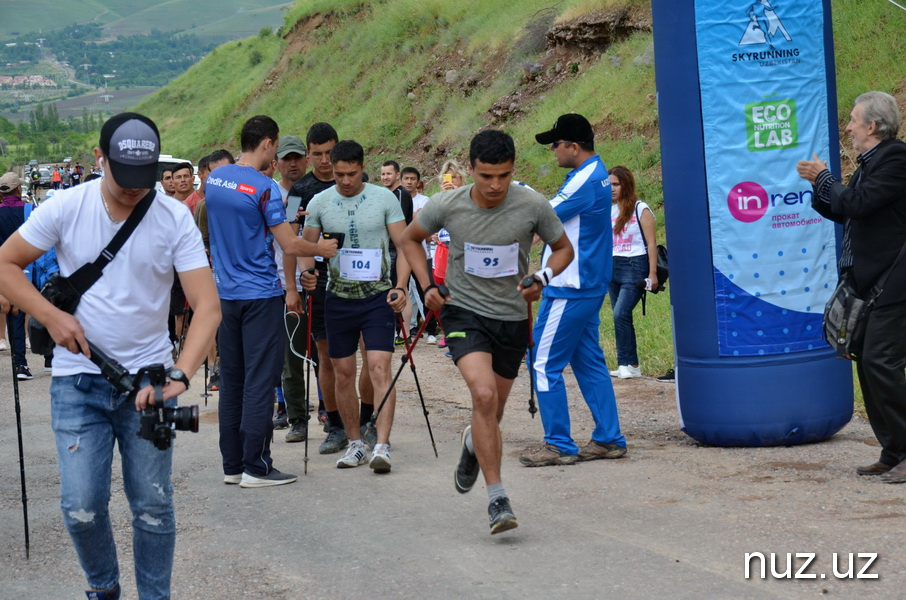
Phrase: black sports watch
pixel 178 375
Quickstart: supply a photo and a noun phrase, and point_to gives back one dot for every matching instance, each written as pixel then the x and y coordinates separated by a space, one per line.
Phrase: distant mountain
pixel 212 21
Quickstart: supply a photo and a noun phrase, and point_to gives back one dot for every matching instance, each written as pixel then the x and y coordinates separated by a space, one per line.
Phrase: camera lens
pixel 185 418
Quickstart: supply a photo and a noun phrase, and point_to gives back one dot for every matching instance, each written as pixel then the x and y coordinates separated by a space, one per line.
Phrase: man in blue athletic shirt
pixel 566 331
pixel 245 216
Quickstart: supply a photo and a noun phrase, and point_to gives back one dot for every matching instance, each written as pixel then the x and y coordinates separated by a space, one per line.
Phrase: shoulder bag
pixel 847 312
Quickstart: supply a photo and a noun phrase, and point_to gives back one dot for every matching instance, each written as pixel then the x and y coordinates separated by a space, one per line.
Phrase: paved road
pixel 671 520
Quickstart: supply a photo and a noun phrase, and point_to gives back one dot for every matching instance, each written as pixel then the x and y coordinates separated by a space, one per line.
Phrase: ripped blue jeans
pixel 88 416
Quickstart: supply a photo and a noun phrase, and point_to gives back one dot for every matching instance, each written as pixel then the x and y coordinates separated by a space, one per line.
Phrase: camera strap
pixel 88 274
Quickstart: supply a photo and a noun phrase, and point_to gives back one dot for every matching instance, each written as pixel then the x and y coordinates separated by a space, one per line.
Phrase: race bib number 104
pixel 360 264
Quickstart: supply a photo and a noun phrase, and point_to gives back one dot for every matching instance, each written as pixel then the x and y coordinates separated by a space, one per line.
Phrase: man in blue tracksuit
pixel 566 331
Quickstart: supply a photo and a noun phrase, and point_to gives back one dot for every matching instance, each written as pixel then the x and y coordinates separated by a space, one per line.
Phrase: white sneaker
pixel 356 454
pixel 432 340
pixel 380 460
pixel 233 479
pixel 629 372
pixel 615 372
pixel 3 345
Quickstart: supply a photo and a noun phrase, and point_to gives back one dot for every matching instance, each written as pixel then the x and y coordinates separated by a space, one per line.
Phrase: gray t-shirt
pixel 488 242
pixel 364 219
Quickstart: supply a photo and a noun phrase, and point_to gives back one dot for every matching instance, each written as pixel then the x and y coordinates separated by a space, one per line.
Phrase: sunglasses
pixel 555 144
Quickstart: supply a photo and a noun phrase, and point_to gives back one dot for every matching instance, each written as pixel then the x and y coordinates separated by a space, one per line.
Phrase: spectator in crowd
pixel 872 209
pixel 12 215
pixel 634 261
pixel 292 162
pixel 242 211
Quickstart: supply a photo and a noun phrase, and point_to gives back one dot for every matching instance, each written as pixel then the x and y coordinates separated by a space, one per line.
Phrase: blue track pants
pixel 566 332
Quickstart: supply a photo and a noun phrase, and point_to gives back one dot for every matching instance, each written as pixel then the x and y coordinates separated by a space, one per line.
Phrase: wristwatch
pixel 178 375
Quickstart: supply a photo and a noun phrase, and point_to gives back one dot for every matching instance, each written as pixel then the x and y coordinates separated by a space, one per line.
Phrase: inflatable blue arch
pixel 746 89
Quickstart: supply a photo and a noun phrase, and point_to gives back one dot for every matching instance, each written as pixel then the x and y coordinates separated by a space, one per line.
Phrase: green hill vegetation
pixel 413 80
pixel 209 20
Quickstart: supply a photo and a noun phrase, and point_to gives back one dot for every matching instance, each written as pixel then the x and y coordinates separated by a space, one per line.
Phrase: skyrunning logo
pixel 765 28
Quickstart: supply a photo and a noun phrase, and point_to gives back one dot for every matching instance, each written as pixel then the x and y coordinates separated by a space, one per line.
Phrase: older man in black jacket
pixel 872 209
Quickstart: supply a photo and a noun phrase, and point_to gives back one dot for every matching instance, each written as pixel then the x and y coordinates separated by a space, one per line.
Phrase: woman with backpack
pixel 634 265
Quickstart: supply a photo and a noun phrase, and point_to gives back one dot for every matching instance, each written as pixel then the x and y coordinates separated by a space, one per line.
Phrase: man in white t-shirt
pixel 125 315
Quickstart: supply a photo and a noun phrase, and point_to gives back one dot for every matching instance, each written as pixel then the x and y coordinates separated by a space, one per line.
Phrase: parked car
pixel 46 177
pixel 67 160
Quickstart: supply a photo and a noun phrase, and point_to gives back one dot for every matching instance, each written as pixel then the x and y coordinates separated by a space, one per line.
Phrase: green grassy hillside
pixel 415 79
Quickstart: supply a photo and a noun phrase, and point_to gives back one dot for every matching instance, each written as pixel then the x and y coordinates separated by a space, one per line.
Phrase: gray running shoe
pixel 335 441
pixel 467 469
pixel 501 516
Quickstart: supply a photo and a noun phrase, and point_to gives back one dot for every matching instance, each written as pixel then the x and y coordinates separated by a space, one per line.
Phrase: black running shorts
pixel 505 341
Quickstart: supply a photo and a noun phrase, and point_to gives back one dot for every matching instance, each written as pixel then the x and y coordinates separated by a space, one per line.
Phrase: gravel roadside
pixel 672 519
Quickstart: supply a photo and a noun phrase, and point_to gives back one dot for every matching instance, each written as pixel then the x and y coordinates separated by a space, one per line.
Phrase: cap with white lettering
pixel 131 143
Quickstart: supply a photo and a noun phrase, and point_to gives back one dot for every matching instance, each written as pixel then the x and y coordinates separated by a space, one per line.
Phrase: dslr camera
pixel 159 424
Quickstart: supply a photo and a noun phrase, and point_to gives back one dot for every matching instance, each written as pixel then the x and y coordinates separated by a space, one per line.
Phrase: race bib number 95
pixel 488 261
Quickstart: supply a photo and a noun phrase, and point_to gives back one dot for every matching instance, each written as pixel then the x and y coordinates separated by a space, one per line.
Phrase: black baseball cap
pixel 131 143
pixel 570 128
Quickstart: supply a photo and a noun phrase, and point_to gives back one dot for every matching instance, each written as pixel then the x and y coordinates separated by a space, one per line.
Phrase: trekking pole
pixel 206 393
pixel 408 358
pixel 308 342
pixel 12 354
pixel 528 282
pixel 418 386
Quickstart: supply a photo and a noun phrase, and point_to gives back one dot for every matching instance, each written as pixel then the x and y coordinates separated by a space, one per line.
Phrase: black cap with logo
pixel 131 143
pixel 569 128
